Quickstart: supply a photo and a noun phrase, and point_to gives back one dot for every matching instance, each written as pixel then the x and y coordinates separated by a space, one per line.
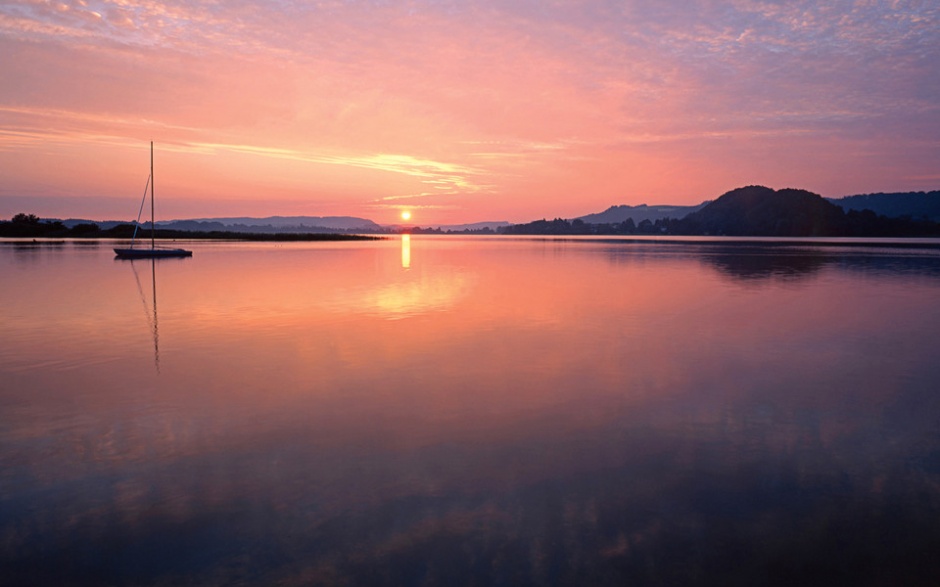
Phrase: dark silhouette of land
pixel 917 205
pixel 747 211
pixel 275 224
pixel 31 226
pixel 618 214
pixel 752 211
pixel 762 211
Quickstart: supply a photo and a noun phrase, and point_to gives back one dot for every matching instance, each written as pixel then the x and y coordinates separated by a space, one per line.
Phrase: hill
pixel 618 214
pixel 102 224
pixel 763 211
pixel 486 227
pixel 916 205
pixel 272 224
pixel 751 211
pixel 746 211
pixel 269 225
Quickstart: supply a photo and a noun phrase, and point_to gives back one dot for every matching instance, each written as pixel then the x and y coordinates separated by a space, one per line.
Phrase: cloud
pixel 428 171
pixel 497 90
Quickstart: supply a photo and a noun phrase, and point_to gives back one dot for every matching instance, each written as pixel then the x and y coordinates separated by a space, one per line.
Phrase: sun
pixel 406 215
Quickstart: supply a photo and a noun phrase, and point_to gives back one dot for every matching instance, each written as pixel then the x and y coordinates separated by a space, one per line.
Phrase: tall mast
pixel 153 227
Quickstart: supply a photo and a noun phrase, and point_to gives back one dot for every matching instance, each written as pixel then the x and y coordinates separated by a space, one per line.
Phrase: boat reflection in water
pixel 504 411
pixel 151 318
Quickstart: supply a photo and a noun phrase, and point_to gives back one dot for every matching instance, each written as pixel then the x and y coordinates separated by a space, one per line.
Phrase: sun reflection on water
pixel 498 394
pixel 406 251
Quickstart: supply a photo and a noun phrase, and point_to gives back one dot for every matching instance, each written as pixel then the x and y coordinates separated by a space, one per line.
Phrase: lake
pixel 471 411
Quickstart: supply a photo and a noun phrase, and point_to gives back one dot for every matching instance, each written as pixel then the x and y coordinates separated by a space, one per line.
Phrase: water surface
pixel 449 411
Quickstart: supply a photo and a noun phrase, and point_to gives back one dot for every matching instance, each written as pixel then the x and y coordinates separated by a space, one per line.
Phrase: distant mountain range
pixel 616 214
pixel 269 225
pixel 279 223
pixel 917 205
pixel 285 224
pixel 750 211
pixel 757 210
pixel 494 226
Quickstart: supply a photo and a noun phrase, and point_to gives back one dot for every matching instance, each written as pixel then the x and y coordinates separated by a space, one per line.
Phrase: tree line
pixel 31 226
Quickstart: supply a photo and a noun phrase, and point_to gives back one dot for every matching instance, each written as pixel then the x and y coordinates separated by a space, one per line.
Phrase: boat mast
pixel 153 227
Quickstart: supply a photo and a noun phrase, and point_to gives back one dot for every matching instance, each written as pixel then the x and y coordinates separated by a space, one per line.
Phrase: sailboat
pixel 153 252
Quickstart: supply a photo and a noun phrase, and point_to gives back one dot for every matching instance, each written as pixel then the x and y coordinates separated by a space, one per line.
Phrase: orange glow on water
pixel 312 380
pixel 406 251
pixel 468 341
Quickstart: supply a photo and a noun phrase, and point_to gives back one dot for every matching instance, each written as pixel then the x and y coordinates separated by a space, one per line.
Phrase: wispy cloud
pixel 478 100
pixel 404 164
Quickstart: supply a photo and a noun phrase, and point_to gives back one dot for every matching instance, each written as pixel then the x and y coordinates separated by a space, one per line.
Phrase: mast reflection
pixel 151 319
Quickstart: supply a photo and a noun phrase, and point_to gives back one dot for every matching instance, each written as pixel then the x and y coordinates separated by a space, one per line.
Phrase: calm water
pixel 470 412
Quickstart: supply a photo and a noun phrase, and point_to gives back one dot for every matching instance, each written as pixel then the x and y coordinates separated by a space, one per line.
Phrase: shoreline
pixel 678 240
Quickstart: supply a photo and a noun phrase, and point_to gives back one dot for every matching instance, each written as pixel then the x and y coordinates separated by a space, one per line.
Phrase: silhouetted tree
pixel 23 218
pixel 85 229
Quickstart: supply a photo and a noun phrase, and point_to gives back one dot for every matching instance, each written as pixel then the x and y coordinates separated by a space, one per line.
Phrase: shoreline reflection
pixel 503 412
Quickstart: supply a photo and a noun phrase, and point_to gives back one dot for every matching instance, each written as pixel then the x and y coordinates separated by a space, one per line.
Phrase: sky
pixel 488 110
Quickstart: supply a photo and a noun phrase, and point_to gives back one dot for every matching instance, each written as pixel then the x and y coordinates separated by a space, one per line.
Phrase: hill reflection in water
pixel 760 263
pixel 492 411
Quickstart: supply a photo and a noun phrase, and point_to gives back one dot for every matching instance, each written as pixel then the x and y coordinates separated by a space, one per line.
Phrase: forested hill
pixel 618 214
pixel 746 211
pixel 753 211
pixel 762 211
pixel 917 205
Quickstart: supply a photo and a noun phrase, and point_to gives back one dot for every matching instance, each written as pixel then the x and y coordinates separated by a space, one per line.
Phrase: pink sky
pixel 459 111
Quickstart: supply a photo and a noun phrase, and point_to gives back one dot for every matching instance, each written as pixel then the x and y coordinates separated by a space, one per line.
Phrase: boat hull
pixel 151 253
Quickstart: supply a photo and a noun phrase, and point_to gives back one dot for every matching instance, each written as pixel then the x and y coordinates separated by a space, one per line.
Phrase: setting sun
pixel 405 215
